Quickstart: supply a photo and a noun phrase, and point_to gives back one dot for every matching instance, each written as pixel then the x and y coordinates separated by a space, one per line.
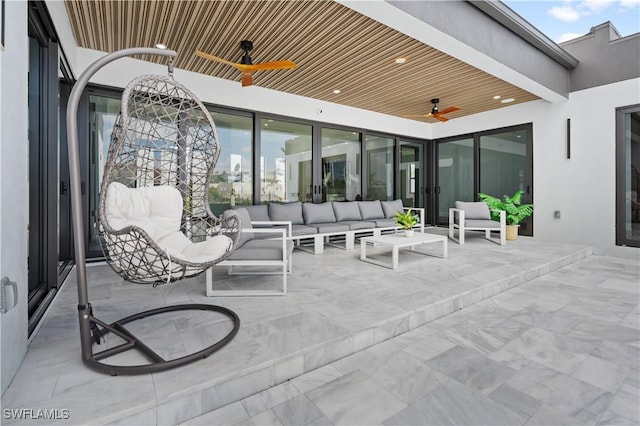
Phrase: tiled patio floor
pixel 337 307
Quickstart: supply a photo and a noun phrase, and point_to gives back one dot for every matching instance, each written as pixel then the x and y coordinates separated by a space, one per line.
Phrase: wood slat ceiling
pixel 333 46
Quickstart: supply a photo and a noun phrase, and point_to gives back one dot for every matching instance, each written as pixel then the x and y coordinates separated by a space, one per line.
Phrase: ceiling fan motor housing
pixel 247 46
pixel 434 101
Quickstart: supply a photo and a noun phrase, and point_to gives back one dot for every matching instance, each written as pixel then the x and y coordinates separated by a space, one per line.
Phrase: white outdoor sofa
pixel 326 223
pixel 475 216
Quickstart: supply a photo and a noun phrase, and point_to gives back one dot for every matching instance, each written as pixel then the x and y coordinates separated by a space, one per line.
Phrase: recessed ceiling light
pixel 507 100
pixel 161 46
pixel 401 60
pixel 336 91
pixel 497 97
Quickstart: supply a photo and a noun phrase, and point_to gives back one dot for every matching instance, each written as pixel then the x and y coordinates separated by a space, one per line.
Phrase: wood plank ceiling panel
pixel 333 46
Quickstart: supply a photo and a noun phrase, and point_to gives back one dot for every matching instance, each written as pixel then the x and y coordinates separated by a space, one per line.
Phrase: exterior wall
pixel 14 185
pixel 583 187
pixel 604 56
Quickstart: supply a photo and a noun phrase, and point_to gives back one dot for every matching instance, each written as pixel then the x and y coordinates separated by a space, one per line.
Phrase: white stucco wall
pixel 583 187
pixel 14 185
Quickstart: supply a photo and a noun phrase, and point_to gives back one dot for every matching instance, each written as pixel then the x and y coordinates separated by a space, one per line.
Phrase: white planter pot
pixel 408 233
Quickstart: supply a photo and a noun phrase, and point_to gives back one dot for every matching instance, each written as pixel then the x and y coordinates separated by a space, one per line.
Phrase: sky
pixel 566 19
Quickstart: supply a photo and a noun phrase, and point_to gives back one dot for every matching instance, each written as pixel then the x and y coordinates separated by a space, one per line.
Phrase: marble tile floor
pixel 513 359
pixel 333 328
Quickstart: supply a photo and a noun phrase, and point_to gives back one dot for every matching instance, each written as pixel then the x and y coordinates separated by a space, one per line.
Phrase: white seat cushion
pixel 156 209
pixel 180 247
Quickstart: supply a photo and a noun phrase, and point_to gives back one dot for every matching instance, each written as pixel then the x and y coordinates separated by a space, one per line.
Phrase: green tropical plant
pixel 406 220
pixel 515 211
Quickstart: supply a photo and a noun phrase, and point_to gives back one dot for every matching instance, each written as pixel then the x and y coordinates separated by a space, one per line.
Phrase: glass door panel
pixel 103 112
pixel 232 180
pixel 380 168
pixel 455 175
pixel 503 167
pixel 412 174
pixel 628 177
pixel 283 146
pixel 340 165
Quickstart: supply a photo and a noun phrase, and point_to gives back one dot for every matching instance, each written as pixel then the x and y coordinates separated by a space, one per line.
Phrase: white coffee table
pixel 396 241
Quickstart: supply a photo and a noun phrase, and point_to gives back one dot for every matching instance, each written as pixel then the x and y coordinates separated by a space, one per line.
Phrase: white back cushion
pixel 156 209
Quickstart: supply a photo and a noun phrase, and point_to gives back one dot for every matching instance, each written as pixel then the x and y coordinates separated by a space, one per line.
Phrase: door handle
pixel 64 187
pixel 437 190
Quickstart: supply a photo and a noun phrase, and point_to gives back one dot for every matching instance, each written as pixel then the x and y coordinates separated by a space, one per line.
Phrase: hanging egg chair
pixel 154 214
pixel 155 218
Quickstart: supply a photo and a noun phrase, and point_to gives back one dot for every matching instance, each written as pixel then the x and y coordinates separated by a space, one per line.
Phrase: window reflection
pixel 285 161
pixel 232 180
pixel 340 165
pixel 104 111
pixel 380 173
pixel 455 175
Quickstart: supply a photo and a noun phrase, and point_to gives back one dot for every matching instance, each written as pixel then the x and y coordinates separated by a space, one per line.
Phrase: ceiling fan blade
pixel 247 79
pixel 275 65
pixel 441 118
pixel 215 58
pixel 449 110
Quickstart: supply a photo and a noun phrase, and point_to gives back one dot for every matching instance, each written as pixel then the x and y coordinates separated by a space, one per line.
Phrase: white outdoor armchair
pixel 475 216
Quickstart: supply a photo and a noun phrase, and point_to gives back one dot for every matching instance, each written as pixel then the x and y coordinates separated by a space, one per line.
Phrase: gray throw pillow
pixel 346 211
pixel 256 212
pixel 474 210
pixel 317 213
pixel 391 207
pixel 286 211
pixel 370 209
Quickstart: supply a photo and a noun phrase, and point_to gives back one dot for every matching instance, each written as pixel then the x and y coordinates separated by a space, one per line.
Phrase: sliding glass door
pixel 232 180
pixel 504 167
pixel 455 180
pixel 340 165
pixel 412 173
pixel 497 162
pixel 628 176
pixel 285 161
pixel 380 168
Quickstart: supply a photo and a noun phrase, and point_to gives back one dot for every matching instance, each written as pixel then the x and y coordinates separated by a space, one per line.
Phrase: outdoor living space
pixel 337 306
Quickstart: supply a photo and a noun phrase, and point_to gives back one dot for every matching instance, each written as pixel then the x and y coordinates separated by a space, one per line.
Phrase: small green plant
pixel 406 220
pixel 515 212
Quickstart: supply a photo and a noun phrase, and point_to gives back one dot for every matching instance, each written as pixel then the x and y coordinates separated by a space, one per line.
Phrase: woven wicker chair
pixel 163 148
pixel 154 213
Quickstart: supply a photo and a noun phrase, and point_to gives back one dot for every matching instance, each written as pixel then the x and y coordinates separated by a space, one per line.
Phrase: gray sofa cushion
pixel 245 223
pixel 256 212
pixel 331 227
pixel 370 210
pixel 287 211
pixel 317 213
pixel 474 210
pixel 481 223
pixel 261 250
pixel 358 224
pixel 391 207
pixel 303 230
pixel 346 211
pixel 385 223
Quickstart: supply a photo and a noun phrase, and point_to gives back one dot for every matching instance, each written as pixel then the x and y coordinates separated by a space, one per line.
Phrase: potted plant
pixel 406 220
pixel 515 211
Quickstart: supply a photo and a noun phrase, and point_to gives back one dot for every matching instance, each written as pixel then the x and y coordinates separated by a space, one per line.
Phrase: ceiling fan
pixel 246 66
pixel 436 113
